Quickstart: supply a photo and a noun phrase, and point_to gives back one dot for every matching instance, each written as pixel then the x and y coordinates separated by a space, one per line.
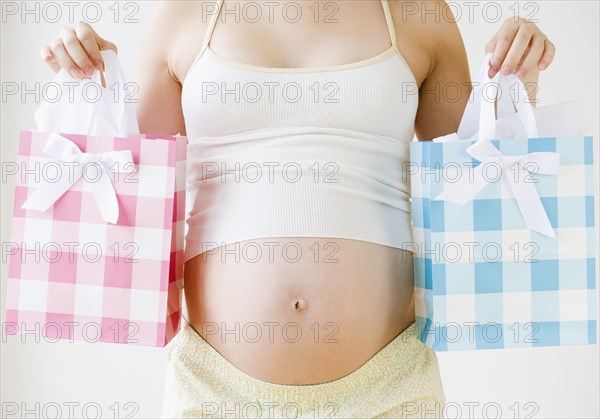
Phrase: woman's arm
pixel 445 91
pixel 519 47
pixel 159 99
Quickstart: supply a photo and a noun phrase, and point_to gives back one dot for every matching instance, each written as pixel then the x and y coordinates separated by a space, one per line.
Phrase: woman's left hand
pixel 521 48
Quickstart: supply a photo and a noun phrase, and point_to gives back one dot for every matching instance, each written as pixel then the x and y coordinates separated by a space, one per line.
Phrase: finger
pixel 87 38
pixel 517 49
pixel 48 57
pixel 504 40
pixel 489 48
pixel 76 52
pixel 524 54
pixel 548 57
pixel 63 58
pixel 532 57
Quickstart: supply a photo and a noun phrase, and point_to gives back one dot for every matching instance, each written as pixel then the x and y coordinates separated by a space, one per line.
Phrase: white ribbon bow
pixel 524 191
pixel 101 187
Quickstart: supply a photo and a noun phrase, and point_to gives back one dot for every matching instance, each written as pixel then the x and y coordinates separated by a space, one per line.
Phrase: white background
pixel 556 381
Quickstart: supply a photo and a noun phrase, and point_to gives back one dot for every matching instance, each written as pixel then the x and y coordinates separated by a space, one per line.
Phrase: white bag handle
pixel 479 115
pixel 487 117
pixel 87 107
pixel 115 84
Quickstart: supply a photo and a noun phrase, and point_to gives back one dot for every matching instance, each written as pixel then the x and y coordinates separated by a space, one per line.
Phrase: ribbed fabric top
pixel 298 152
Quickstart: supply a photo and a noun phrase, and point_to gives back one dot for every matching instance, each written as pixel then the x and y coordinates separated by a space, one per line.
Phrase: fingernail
pixel 74 72
pixel 88 71
pixel 492 72
pixel 98 64
pixel 520 72
pixel 506 70
pixel 542 66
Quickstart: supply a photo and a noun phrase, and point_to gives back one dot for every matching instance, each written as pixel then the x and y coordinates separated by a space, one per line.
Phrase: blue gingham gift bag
pixel 503 229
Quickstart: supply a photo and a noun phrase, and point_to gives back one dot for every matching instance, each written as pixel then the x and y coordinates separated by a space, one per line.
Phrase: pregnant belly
pixel 299 310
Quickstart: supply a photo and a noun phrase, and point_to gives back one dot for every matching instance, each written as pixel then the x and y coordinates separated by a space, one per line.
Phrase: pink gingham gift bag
pixel 96 250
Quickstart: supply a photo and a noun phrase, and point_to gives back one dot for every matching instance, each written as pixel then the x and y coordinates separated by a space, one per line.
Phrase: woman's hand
pixel 77 50
pixel 520 48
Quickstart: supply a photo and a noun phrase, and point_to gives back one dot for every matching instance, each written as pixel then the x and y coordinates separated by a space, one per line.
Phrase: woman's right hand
pixel 77 50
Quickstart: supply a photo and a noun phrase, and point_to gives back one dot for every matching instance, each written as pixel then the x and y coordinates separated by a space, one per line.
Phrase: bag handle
pixel 108 115
pixel 487 117
pixel 115 86
pixel 479 115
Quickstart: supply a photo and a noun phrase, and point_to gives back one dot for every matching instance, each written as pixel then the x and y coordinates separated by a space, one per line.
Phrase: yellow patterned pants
pixel 402 380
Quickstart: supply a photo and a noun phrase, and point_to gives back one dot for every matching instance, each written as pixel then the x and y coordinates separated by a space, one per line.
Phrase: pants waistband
pixel 401 360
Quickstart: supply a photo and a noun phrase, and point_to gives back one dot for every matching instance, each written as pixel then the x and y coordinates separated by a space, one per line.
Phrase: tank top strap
pixel 211 27
pixel 390 22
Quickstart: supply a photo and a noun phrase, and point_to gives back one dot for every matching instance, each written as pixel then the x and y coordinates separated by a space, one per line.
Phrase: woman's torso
pixel 303 310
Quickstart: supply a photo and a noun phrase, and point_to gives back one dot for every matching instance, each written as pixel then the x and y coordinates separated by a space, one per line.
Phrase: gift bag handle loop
pixel 480 114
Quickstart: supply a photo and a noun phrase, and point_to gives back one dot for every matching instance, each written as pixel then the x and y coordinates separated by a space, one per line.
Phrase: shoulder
pixel 181 13
pixel 176 31
pixel 436 15
pixel 182 7
pixel 428 31
pixel 170 17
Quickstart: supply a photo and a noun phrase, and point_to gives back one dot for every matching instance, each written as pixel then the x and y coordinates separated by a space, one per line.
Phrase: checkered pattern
pixel 73 276
pixel 482 279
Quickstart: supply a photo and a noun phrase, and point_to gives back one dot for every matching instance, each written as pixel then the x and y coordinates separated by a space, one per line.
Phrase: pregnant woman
pixel 299 115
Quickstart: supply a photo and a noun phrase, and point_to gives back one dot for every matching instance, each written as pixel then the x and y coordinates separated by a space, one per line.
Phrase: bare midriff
pixel 300 310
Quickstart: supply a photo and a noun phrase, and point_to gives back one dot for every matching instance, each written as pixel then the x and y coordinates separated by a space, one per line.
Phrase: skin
pixel 366 299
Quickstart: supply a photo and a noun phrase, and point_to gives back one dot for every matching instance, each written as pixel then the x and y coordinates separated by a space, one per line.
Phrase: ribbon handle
pixel 86 107
pixel 74 165
pixel 487 116
pixel 480 116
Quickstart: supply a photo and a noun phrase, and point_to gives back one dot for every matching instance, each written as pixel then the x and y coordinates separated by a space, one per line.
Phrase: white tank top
pixel 298 152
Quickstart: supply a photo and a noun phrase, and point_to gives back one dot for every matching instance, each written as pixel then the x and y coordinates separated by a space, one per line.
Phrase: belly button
pixel 299 304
